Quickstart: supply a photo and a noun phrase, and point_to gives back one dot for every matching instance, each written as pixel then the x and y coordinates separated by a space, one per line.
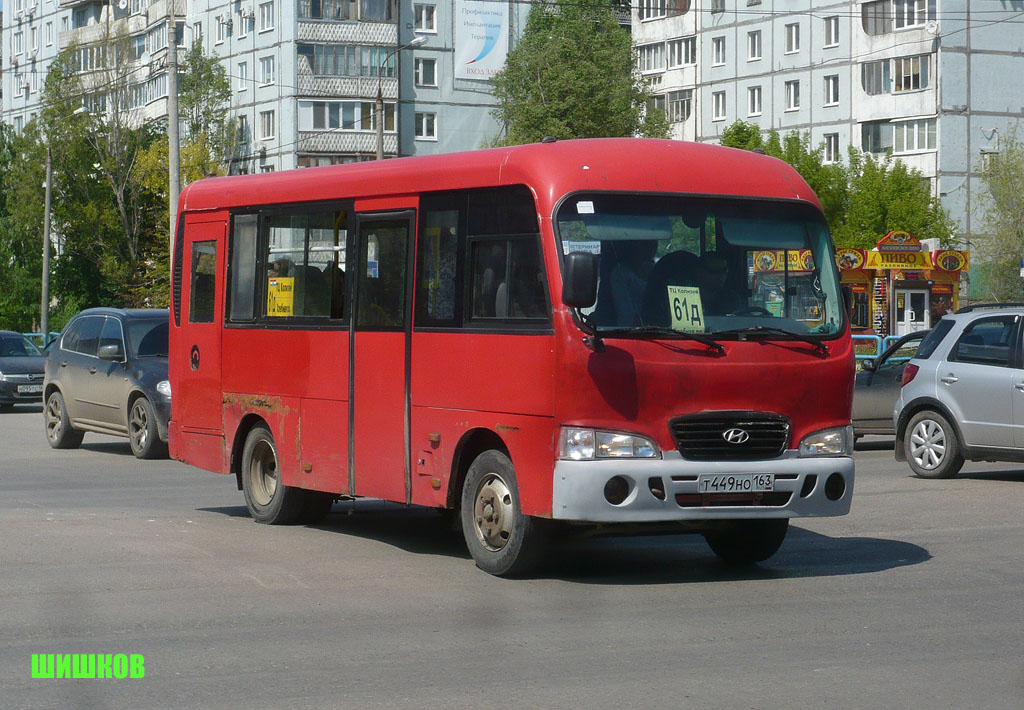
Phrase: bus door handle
pixel 64 363
pixel 949 379
pixel 1019 386
pixel 92 370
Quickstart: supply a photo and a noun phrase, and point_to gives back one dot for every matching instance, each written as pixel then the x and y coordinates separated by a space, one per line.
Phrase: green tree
pixel 1000 247
pixel 574 75
pixel 20 241
pixel 740 134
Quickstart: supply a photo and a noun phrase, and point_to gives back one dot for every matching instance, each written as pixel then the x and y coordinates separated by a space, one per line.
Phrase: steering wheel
pixel 753 311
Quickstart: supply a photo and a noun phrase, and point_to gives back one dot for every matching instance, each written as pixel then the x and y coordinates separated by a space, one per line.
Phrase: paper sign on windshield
pixel 280 294
pixel 686 309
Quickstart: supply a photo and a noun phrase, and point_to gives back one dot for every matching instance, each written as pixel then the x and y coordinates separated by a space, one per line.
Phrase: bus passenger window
pixel 305 265
pixel 381 284
pixel 243 267
pixel 438 262
pixel 204 274
pixel 508 281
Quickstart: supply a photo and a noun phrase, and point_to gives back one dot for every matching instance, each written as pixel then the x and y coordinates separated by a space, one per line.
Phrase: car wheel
pixel 747 542
pixel 932 446
pixel 142 431
pixel 500 538
pixel 269 501
pixel 58 426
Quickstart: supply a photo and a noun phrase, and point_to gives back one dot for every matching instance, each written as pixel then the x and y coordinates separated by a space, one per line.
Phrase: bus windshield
pixel 719 266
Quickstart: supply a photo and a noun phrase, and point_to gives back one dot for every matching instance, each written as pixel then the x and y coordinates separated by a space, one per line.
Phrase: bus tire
pixel 502 540
pixel 58 425
pixel 269 501
pixel 747 542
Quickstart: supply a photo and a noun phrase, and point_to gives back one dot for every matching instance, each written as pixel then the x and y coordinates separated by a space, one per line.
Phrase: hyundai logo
pixel 736 436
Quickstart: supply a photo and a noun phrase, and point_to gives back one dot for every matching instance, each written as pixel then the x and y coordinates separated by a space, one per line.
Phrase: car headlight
pixel 580 444
pixel 164 388
pixel 837 441
pixel 3 377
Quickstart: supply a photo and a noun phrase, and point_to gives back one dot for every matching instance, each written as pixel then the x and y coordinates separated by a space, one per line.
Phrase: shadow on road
pixel 108 447
pixel 875 445
pixel 648 559
pixel 25 409
pixel 1007 476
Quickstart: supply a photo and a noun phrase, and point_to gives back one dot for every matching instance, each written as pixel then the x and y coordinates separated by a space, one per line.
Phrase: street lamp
pixel 416 41
pixel 44 301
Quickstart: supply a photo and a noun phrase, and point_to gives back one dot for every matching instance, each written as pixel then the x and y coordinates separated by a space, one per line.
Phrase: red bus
pixel 621 333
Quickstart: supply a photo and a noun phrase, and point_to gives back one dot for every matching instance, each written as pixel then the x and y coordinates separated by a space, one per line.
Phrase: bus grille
pixel 755 436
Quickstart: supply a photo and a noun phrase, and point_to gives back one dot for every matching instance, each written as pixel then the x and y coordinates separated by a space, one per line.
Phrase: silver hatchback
pixel 962 395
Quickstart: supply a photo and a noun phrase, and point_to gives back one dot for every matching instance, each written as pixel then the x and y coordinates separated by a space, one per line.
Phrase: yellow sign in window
pixel 686 309
pixel 280 295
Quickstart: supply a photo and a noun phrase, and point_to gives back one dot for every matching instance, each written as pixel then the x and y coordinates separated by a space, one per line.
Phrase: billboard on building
pixel 481 38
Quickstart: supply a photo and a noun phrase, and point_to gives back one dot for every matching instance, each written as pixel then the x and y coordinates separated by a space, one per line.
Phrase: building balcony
pixel 335 142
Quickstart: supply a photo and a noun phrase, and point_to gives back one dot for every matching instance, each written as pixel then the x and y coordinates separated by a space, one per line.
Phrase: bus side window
pixel 203 281
pixel 243 267
pixel 438 263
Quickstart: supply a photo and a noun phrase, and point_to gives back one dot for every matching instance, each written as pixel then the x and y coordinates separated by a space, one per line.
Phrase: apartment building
pixel 305 74
pixel 935 81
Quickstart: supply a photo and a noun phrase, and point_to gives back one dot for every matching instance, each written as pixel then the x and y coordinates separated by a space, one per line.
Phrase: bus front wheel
pixel 500 538
pixel 747 542
pixel 269 501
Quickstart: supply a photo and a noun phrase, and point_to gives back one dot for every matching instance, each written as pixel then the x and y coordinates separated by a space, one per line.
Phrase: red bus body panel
pixel 518 388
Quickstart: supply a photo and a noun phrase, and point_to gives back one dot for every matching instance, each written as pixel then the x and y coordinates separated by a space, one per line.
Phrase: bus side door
pixel 198 407
pixel 380 377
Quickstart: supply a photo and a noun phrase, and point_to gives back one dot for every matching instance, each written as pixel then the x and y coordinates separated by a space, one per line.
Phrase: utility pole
pixel 44 305
pixel 173 145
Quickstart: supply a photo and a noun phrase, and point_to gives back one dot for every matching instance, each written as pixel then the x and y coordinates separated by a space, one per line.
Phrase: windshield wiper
pixel 770 330
pixel 662 330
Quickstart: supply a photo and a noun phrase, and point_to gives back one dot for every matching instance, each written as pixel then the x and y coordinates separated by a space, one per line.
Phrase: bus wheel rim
pixel 263 473
pixel 493 512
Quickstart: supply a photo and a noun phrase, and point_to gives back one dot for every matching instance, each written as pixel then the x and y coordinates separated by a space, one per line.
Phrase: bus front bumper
pixel 667 490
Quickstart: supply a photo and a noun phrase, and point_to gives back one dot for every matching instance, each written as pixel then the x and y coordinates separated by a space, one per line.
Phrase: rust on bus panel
pixel 248 402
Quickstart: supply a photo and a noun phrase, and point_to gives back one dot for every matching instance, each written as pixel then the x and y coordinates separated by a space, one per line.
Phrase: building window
pixel 717 6
pixel 426 126
pixel 243 24
pixel 266 16
pixel 243 129
pixel 377 10
pixel 243 75
pixel 910 73
pixel 266 71
pixel 792 95
pixel 49 34
pixel 219 31
pixel 718 106
pixel 913 13
pixel 832 31
pixel 426 72
pixel 652 57
pixel 754 101
pixel 717 51
pixel 682 51
pixel 650 9
pixel 753 45
pixel 913 136
pixel 425 18
pixel 876 17
pixel 874 77
pixel 64 23
pixel 267 127
pixel 18 43
pixel 792 38
pixel 680 105
pixel 266 168
pixel 831 148
pixel 876 136
pixel 343 116
pixel 832 90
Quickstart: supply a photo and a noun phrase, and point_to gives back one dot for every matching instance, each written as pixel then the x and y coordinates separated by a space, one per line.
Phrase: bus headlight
pixel 580 444
pixel 164 388
pixel 828 442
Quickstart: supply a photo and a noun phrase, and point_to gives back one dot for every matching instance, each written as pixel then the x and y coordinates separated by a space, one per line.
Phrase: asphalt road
pixel 914 600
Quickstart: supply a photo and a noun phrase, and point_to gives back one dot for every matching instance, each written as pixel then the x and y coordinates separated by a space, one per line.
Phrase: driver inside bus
pixel 717 296
pixel 628 278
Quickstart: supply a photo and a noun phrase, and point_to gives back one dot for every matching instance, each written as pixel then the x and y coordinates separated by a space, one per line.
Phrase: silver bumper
pixel 579 489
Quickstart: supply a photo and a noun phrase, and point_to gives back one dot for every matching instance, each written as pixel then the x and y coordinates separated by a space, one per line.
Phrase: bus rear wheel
pixel 502 540
pixel 747 542
pixel 269 501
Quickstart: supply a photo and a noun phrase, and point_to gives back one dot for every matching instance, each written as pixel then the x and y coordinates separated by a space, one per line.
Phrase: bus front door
pixel 378 401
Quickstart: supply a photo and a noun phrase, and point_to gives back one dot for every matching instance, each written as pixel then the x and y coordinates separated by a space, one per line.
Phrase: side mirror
pixel 847 298
pixel 579 285
pixel 110 352
pixel 869 365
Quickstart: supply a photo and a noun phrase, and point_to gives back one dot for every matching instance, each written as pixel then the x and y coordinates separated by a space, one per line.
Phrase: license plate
pixel 30 389
pixel 735 482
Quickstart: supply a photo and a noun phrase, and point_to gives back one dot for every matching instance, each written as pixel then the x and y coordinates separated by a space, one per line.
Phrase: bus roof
pixel 550 169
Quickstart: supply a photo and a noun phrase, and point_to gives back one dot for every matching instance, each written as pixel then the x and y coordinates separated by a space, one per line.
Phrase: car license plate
pixel 735 482
pixel 30 389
